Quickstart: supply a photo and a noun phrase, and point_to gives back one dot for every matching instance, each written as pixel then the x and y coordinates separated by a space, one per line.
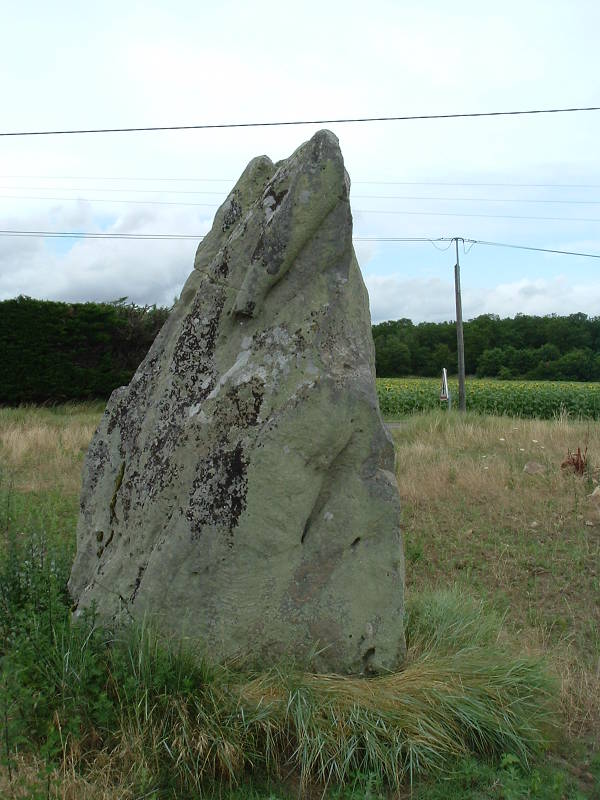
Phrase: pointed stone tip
pixel 323 145
pixel 326 135
pixel 256 165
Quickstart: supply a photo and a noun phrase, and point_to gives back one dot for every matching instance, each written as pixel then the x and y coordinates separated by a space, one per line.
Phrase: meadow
pixel 500 697
pixel 532 399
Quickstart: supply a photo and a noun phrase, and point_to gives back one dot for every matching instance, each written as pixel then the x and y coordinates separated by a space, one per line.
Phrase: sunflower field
pixel 538 399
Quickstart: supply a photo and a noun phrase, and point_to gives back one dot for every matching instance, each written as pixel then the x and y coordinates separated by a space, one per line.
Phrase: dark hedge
pixel 53 352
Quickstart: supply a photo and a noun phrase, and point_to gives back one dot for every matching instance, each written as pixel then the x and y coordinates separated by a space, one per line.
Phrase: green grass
pixel 533 399
pixel 170 721
pixel 90 713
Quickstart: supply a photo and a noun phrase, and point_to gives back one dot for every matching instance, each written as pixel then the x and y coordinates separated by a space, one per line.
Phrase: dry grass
pixel 529 543
pixel 29 778
pixel 43 448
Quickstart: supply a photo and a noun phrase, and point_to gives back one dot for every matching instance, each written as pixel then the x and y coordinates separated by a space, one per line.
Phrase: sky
pixel 530 180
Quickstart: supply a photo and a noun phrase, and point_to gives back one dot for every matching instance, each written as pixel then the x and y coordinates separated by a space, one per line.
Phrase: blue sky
pixel 112 64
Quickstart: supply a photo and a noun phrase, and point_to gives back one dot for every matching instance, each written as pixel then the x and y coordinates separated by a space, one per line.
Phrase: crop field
pixel 502 580
pixel 532 399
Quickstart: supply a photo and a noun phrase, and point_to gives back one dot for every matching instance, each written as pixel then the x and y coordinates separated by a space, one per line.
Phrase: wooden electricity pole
pixel 462 402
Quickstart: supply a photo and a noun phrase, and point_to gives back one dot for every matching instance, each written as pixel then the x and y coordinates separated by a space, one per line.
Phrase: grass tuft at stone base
pixel 160 717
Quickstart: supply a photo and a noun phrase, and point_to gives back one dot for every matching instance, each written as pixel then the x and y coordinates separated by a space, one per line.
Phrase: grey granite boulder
pixel 241 489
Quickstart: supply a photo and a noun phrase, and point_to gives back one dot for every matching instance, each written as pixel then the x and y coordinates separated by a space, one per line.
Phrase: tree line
pixel 54 351
pixel 529 347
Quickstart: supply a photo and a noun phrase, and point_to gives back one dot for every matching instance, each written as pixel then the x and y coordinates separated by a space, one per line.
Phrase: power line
pixel 355 210
pixel 536 249
pixel 143 236
pixel 167 236
pixel 399 239
pixel 97 235
pixel 233 180
pixel 528 201
pixel 391 239
pixel 428 239
pixel 477 216
pixel 115 189
pixel 221 125
pixel 116 178
pixel 394 239
pixel 474 199
pixel 106 200
pixel 482 183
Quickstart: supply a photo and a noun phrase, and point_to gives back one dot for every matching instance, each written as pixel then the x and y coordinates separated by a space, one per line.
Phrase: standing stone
pixel 241 489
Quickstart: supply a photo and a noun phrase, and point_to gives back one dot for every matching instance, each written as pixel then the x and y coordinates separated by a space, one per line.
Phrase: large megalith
pixel 241 490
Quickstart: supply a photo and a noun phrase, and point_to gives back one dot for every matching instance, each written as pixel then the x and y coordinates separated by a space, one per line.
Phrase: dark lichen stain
pixel 257 396
pixel 138 581
pixel 195 345
pixel 218 493
pixel 355 543
pixel 159 469
pixel 193 374
pixel 278 196
pixel 233 213
pixel 241 406
pixel 129 409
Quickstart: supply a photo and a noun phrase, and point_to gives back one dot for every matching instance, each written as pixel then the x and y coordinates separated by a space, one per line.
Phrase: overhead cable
pixel 344 120
pixel 482 183
pixel 536 249
pixel 355 210
pixel 394 239
pixel 477 216
pixel 97 235
pixel 157 179
pixel 167 236
pixel 436 198
pixel 391 239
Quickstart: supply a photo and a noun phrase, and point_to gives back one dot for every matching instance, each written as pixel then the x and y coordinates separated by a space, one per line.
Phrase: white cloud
pixel 395 297
pixel 146 271
pixel 121 64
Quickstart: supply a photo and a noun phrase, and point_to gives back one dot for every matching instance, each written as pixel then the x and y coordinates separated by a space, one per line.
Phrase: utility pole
pixel 462 402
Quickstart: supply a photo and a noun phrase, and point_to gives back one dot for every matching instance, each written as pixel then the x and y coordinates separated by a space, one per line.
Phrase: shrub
pixel 52 352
